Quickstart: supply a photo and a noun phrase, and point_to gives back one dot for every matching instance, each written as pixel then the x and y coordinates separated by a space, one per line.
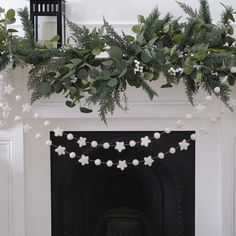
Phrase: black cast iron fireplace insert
pixel 139 201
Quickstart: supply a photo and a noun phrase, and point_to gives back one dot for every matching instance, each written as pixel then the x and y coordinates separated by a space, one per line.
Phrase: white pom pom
pixel 161 155
pixel 70 136
pixel 109 163
pixel 46 123
pixel 72 155
pixel 132 143
pixel 217 89
pixel 94 144
pixel 36 115
pixel 48 143
pixel 213 120
pixel 18 97
pixel 106 145
pixel 135 162
pixel 167 130
pixel 17 118
pixel 233 69
pixel 1 77
pixel 172 150
pixel 157 135
pixel 209 98
pixel 38 136
pixel 188 117
pixel 193 137
pixel 97 162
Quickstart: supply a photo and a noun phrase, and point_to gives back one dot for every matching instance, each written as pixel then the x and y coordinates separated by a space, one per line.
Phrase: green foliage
pixel 196 52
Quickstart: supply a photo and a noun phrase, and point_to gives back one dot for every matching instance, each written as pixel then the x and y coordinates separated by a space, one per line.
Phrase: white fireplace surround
pixel 25 164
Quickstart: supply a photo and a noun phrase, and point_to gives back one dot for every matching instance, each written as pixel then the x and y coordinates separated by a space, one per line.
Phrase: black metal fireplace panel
pixel 140 201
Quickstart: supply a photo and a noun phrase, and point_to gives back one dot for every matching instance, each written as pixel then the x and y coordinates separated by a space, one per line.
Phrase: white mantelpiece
pixel 25 173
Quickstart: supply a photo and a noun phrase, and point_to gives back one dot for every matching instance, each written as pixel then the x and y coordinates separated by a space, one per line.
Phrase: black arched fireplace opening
pixel 139 201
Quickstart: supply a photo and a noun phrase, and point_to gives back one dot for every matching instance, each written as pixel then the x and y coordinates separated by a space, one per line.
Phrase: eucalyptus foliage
pixel 197 52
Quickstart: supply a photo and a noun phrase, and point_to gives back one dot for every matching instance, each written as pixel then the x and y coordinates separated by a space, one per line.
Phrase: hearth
pixel 139 201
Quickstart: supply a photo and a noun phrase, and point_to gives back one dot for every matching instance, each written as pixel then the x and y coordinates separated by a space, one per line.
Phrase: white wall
pixel 122 10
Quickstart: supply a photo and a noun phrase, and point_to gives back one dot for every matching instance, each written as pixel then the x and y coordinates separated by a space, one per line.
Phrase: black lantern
pixel 48 18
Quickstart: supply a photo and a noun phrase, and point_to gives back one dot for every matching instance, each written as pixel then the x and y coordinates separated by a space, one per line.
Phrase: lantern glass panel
pixel 47 27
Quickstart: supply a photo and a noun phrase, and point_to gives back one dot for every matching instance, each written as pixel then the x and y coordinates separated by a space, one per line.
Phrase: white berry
pixel 106 145
pixel 72 155
pixel 135 162
pixel 17 118
pixel 157 135
pixel 94 144
pixel 38 136
pixel 172 150
pixel 161 155
pixel 217 89
pixel 36 115
pixel 109 163
pixel 48 143
pixel 18 97
pixel 132 143
pixel 46 123
pixel 97 162
pixel 70 136
pixel 193 136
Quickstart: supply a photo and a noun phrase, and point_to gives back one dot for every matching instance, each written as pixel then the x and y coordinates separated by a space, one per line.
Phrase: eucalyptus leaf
pixel 70 104
pixel 115 52
pixel 10 14
pixel 112 83
pixel 85 110
pixel 136 29
pixel 45 88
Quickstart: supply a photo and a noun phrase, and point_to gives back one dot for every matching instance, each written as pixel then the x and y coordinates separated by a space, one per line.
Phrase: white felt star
pixel 120 146
pixel 183 145
pixel 8 89
pixel 145 141
pixel 60 150
pixel 84 160
pixel 122 165
pixel 26 107
pixel 179 124
pixel 148 161
pixel 199 108
pixel 81 141
pixel 58 131
pixel 27 128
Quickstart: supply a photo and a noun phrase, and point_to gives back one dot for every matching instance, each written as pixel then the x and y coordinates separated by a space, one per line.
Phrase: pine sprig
pixel 188 10
pixel 204 11
pixel 27 26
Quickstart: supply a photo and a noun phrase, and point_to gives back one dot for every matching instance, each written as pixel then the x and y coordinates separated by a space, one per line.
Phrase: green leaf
pixel 136 29
pixel 85 110
pixel 167 85
pixel 58 87
pixel 146 56
pixel 141 19
pixel 200 55
pixel 96 51
pixel 76 61
pixel 129 38
pixel 70 104
pixel 108 63
pixel 73 90
pixel 82 74
pixel 106 74
pixel 231 79
pixel 199 77
pixel 1 10
pixel 188 70
pixel 10 14
pixel 152 41
pixel 45 89
pixel 123 72
pixel 148 76
pixel 112 83
pixel 12 31
pixel 200 47
pixel 94 74
pixel 115 52
pixel 55 38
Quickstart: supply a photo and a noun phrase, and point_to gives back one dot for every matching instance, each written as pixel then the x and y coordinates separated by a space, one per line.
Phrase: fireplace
pixel 140 201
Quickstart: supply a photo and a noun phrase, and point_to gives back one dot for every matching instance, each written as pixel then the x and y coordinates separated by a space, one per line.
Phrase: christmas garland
pixel 197 52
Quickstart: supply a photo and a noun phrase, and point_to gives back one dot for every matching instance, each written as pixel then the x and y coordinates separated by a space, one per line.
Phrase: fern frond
pixel 150 92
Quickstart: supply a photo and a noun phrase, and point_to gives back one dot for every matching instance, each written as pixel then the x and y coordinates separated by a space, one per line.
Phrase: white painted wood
pixel 5 188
